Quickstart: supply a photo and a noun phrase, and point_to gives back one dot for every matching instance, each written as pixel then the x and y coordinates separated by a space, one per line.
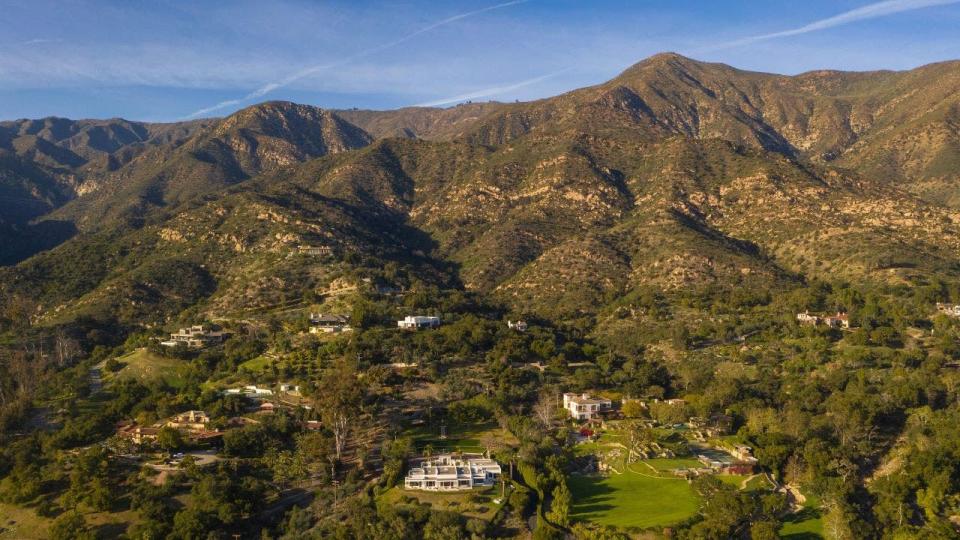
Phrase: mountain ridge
pixel 675 174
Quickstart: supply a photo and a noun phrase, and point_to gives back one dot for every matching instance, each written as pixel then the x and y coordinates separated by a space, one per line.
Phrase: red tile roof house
pixel 840 320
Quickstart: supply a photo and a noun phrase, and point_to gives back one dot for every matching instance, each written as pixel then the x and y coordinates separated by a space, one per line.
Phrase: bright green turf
pixel 259 363
pixel 632 500
pixel 806 524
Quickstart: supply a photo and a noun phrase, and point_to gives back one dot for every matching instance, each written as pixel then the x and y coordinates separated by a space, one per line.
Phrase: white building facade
pixel 452 473
pixel 418 321
pixel 584 407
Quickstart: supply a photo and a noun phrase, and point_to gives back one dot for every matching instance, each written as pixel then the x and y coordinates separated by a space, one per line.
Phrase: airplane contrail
pixel 270 87
pixel 870 11
pixel 491 91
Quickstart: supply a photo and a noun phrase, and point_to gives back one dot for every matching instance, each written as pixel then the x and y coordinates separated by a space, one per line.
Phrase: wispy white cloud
pixel 39 41
pixel 28 42
pixel 493 91
pixel 312 70
pixel 869 11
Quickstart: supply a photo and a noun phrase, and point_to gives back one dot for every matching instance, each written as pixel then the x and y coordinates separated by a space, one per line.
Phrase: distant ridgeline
pixel 675 174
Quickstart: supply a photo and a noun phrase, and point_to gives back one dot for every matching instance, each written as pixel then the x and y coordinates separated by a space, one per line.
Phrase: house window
pixel 414 484
pixel 429 483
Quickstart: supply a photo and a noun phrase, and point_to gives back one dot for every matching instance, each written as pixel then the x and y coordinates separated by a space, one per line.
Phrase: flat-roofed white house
pixel 196 337
pixel 519 326
pixel 584 407
pixel 447 472
pixel 417 322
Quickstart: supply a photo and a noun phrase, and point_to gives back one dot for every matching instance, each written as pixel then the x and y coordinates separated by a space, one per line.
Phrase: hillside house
pixel 584 407
pixel 195 337
pixel 519 326
pixel 951 310
pixel 254 390
pixel 840 320
pixel 190 421
pixel 324 323
pixel 316 251
pixel 673 402
pixel 289 388
pixel 250 391
pixel 137 434
pixel 267 407
pixel 417 322
pixel 448 472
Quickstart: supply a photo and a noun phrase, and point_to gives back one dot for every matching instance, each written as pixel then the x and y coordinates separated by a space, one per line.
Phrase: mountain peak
pixel 664 58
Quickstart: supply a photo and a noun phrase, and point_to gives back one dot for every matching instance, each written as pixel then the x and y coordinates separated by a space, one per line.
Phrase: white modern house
pixel 417 322
pixel 197 337
pixel 447 472
pixel 250 390
pixel 584 407
pixel 519 326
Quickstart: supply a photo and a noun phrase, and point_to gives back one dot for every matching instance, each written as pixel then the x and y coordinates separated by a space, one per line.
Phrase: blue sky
pixel 165 60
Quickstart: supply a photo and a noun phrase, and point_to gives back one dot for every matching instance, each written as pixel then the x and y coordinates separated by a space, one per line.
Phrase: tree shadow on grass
pixel 806 514
pixel 591 497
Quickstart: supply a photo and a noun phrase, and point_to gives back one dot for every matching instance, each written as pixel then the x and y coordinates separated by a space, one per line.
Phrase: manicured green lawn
pixel 668 464
pixel 758 483
pixel 632 500
pixel 732 479
pixel 806 524
pixel 466 438
pixel 259 363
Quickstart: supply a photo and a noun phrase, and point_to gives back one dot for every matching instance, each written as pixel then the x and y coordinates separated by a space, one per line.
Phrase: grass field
pixel 22 523
pixel 806 524
pixel 144 366
pixel 259 363
pixel 632 500
pixel 465 438
pixel 18 523
pixel 668 464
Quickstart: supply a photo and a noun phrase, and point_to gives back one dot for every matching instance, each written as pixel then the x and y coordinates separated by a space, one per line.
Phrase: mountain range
pixel 675 174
